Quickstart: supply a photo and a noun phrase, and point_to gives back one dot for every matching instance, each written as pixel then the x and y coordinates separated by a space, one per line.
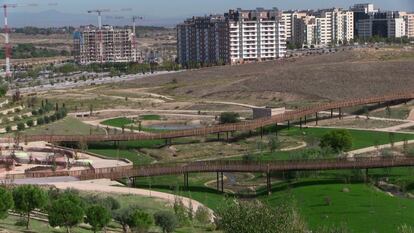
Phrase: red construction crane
pixel 7 46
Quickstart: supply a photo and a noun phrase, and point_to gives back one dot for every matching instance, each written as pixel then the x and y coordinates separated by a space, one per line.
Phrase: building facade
pixel 235 37
pixel 203 40
pixel 388 24
pixel 106 45
pixel 256 35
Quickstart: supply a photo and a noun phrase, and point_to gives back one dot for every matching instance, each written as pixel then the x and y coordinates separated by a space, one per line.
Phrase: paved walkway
pixel 375 148
pixel 107 186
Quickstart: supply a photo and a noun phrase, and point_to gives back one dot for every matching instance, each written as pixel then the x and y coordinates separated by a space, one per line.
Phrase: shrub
pixel 53 118
pixel 6 202
pixel 166 220
pixel 140 221
pixel 46 119
pixel 35 112
pixel 229 117
pixel 30 123
pixel 17 110
pixel 5 120
pixel 202 215
pixel 20 126
pixel 16 118
pixel 40 121
pixel 8 129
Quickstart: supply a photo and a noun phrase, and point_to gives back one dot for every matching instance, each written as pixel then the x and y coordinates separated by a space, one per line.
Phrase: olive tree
pixel 166 220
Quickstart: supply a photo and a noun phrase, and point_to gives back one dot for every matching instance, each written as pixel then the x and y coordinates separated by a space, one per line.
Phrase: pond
pixel 172 126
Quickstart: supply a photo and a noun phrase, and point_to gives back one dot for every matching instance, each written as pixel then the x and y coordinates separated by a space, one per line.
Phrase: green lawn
pixel 118 122
pixel 67 126
pixel 363 209
pixel 150 117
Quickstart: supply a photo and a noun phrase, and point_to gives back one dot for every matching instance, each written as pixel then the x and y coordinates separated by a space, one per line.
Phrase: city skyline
pixel 162 12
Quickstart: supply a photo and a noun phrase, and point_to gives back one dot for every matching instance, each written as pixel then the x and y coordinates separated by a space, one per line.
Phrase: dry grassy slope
pixel 338 76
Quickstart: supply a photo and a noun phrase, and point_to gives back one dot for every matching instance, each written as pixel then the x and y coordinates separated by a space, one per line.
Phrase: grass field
pixel 66 126
pixel 118 122
pixel 363 209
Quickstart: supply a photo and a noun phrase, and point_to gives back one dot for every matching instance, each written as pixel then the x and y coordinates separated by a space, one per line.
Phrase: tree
pixel 338 140
pixel 20 126
pixel 30 123
pixel 98 217
pixel 166 220
pixel 8 129
pixel 140 221
pixel 66 211
pixel 255 217
pixel 229 117
pixel 122 217
pixel 6 202
pixel 28 198
pixel 274 144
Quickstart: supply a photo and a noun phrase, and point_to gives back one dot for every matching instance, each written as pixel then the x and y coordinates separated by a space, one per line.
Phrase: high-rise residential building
pixel 256 35
pixel 93 45
pixel 235 37
pixel 304 33
pixel 333 26
pixel 288 19
pixel 409 23
pixel 203 40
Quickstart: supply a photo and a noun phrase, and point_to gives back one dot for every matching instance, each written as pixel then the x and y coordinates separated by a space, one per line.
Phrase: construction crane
pixel 99 12
pixel 7 46
pixel 6 33
pixel 134 35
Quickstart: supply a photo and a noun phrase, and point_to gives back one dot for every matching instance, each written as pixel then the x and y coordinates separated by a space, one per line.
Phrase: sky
pixel 178 9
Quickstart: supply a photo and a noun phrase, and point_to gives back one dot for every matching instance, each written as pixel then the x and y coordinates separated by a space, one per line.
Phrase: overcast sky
pixel 165 11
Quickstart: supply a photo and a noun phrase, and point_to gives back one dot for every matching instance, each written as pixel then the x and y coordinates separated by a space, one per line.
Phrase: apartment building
pixel 203 40
pixel 304 33
pixel 361 12
pixel 235 37
pixel 409 23
pixel 256 35
pixel 106 45
pixel 333 26
pixel 288 19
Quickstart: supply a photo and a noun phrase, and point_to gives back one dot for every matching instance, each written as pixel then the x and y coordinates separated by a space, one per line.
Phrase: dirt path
pixel 107 187
pixel 411 116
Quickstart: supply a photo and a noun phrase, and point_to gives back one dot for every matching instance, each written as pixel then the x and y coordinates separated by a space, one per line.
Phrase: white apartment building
pixel 409 23
pixel 396 28
pixel 334 26
pixel 288 19
pixel 256 35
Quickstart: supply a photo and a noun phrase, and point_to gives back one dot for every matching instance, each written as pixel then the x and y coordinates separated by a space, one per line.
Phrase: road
pixel 88 82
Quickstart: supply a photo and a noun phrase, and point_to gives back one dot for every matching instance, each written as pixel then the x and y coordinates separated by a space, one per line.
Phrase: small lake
pixel 172 126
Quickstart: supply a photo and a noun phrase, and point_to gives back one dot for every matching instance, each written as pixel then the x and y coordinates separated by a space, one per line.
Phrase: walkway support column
pixel 331 113
pixel 317 118
pixel 222 182
pixel 218 182
pixel 288 125
pixel 300 123
pixel 276 128
pixel 269 183
pixel 261 132
pixel 306 121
